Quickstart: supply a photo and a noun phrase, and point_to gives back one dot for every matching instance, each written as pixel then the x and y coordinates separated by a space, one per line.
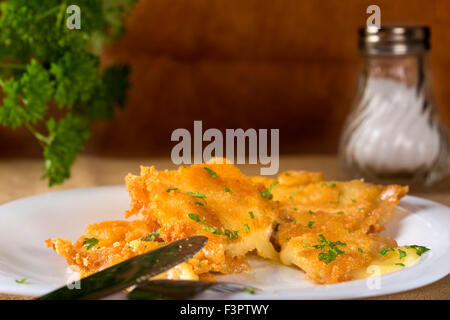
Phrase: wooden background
pixel 288 64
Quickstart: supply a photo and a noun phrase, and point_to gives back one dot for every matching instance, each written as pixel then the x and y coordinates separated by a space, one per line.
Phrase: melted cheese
pixel 389 263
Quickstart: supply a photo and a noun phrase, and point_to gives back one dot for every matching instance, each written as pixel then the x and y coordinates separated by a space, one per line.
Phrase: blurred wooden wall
pixel 288 64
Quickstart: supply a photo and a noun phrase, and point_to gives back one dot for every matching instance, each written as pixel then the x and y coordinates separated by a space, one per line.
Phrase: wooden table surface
pixel 21 177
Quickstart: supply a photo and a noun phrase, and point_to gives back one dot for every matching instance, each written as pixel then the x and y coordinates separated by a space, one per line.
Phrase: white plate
pixel 26 223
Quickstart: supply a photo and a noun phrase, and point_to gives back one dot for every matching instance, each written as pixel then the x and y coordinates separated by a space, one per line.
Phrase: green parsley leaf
pixel 310 224
pixel 151 237
pixel 196 195
pixel 21 281
pixel 250 290
pixel 400 264
pixel 196 217
pixel 90 242
pixel 401 253
pixel 171 189
pixel 222 231
pixel 200 203
pixel 333 250
pixel 353 200
pixel 247 228
pixel 385 251
pixel 419 249
pixel 360 250
pixel 66 139
pixel 267 194
pixel 228 190
pixel 311 212
pixel 212 174
pixel 251 214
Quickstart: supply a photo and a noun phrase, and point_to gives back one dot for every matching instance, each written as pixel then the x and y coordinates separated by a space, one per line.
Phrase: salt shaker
pixel 394 133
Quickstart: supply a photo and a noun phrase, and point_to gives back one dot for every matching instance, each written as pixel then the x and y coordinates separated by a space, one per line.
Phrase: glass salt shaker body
pixel 394 133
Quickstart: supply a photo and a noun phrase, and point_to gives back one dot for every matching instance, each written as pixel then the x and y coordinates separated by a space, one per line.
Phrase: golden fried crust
pixel 358 252
pixel 236 214
pixel 173 198
pixel 118 241
pixel 366 205
pixel 340 211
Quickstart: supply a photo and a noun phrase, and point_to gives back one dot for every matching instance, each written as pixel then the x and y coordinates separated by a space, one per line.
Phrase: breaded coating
pixel 325 228
pixel 213 200
pixel 298 237
pixel 365 206
pixel 117 241
pixel 339 211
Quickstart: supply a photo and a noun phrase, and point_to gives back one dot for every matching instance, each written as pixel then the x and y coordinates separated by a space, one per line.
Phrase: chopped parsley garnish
pixel 353 200
pixel 90 242
pixel 212 173
pixel 267 194
pixel 200 203
pixel 228 190
pixel 21 281
pixel 222 231
pixel 340 212
pixel 196 195
pixel 151 237
pixel 385 251
pixel 294 220
pixel 311 212
pixel 360 250
pixel 295 209
pixel 306 245
pixel 250 290
pixel 196 217
pixel 419 249
pixel 287 174
pixel 247 228
pixel 400 264
pixel 331 185
pixel 171 189
pixel 288 238
pixel 333 250
pixel 251 214
pixel 401 253
pixel 310 224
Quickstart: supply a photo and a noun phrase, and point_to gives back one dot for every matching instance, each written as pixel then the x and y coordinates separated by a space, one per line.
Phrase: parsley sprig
pixel 333 250
pixel 43 63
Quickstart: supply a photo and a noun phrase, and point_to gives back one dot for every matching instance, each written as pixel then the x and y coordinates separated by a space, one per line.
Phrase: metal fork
pixel 183 289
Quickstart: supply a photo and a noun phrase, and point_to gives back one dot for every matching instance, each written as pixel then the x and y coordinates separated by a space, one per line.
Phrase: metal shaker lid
pixel 394 40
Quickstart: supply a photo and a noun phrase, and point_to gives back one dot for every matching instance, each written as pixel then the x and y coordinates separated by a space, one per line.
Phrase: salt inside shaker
pixel 394 132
